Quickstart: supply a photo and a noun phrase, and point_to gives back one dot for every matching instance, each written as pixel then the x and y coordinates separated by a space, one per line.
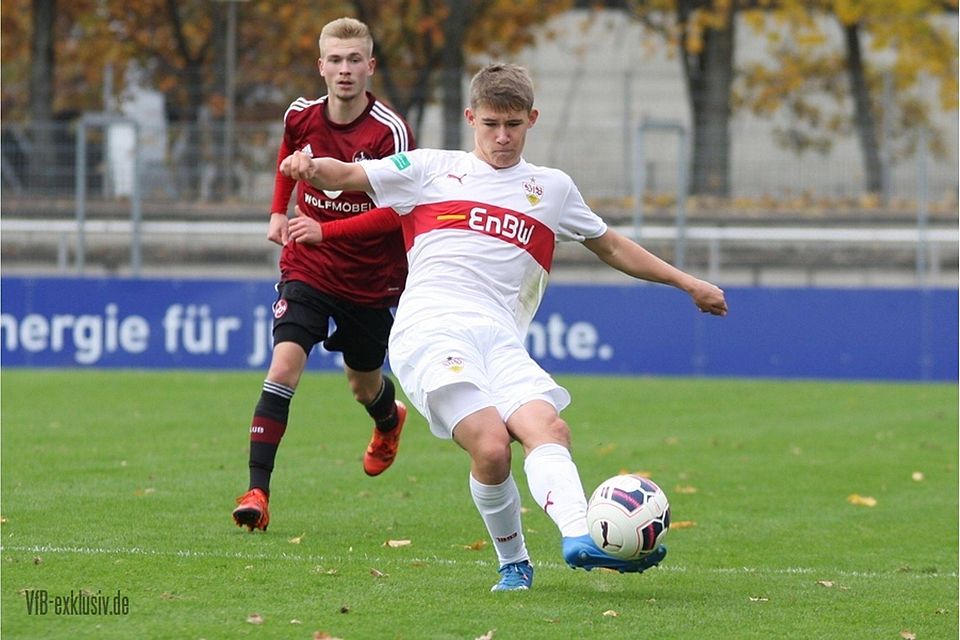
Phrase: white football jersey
pixel 479 240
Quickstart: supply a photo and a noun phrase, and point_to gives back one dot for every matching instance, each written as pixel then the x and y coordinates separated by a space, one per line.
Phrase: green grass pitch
pixel 117 489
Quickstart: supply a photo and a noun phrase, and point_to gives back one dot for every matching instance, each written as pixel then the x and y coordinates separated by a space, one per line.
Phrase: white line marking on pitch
pixel 240 555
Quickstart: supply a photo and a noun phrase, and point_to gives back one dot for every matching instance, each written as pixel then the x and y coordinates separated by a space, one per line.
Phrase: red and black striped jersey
pixel 367 271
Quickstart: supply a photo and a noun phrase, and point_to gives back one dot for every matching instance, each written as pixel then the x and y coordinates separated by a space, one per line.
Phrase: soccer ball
pixel 628 516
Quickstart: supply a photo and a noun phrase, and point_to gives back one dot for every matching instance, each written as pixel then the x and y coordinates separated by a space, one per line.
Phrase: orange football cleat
pixel 253 512
pixel 383 445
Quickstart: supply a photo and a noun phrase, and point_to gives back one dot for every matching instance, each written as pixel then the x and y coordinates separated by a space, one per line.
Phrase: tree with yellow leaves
pixel 82 50
pixel 880 54
pixel 871 84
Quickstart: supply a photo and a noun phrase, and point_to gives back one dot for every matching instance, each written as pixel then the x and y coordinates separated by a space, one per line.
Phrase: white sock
pixel 554 481
pixel 499 506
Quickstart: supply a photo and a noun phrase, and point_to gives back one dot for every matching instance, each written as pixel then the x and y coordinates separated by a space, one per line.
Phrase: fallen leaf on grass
pixel 323 635
pixel 295 621
pixel 144 492
pixel 37 560
pixel 861 501
pixel 376 573
pixel 393 544
pixel 908 635
pixel 917 476
pixel 255 618
pixel 479 545
pixel 610 613
pixel 685 489
pixel 606 449
pixel 3 520
pixel 759 599
pixel 297 539
pixel 825 583
pixel 683 524
pixel 487 636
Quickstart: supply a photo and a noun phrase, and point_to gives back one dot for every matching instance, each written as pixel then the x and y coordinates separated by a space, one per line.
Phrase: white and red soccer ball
pixel 628 516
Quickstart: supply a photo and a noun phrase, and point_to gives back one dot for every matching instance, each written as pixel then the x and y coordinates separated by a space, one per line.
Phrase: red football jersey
pixel 368 271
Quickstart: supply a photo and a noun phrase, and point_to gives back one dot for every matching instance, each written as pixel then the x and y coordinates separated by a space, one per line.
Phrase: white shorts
pixel 442 352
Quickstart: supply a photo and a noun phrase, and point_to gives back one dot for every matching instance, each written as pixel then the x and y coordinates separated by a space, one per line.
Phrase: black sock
pixel 266 431
pixel 383 409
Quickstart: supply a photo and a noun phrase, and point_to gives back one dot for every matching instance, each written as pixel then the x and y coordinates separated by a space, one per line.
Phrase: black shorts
pixel 302 314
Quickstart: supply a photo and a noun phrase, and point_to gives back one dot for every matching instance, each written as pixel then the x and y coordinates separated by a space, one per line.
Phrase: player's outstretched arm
pixel 325 173
pixel 627 256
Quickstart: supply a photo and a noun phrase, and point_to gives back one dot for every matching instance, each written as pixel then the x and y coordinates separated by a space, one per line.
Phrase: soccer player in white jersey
pixel 480 229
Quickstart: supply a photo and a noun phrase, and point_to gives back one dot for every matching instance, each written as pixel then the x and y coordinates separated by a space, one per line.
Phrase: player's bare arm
pixel 325 173
pixel 304 229
pixel 627 256
pixel 277 231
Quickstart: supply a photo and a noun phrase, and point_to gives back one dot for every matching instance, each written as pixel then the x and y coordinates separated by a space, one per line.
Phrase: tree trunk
pixel 42 65
pixel 190 112
pixel 863 116
pixel 709 76
pixel 410 103
pixel 454 34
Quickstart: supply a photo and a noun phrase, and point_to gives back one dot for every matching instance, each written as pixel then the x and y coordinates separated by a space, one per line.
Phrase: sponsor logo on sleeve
pixel 400 161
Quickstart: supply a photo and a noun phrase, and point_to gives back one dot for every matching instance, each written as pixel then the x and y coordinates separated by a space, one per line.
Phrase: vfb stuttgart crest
pixel 533 191
pixel 454 363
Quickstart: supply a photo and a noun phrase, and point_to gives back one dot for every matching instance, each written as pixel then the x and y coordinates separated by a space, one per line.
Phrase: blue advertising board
pixel 868 334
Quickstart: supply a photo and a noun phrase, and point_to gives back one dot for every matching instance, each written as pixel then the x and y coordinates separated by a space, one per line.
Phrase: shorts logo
pixel 279 308
pixel 453 363
pixel 533 191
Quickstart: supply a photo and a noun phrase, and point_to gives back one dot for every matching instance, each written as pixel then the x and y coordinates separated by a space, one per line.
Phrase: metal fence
pixel 106 167
pixel 178 162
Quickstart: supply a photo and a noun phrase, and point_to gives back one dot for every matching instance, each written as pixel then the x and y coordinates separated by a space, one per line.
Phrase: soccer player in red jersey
pixel 354 283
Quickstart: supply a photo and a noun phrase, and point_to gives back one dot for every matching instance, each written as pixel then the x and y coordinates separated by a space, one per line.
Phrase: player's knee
pixel 557 430
pixel 285 370
pixel 491 459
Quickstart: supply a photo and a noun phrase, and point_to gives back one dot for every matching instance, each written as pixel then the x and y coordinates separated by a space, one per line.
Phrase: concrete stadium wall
pixel 851 334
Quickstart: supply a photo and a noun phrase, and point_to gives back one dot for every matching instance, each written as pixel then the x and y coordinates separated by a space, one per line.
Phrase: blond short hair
pixel 502 87
pixel 347 29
